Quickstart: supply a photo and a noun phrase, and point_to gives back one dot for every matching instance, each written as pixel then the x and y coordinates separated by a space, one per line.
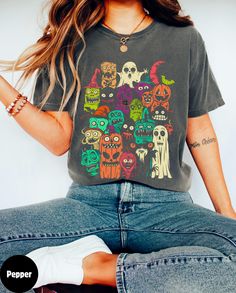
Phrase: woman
pixel 134 82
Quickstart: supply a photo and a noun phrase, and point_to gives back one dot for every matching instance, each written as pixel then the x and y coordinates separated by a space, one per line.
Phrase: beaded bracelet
pixel 23 102
pixel 10 108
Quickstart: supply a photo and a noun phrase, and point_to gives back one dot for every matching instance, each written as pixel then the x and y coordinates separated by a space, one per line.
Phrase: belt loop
pixel 118 185
pixel 123 195
pixel 132 190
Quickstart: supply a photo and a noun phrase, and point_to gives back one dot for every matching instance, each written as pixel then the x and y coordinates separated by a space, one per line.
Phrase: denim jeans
pixel 166 242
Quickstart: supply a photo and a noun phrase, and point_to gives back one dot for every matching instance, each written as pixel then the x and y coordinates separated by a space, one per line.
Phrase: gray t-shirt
pixel 133 107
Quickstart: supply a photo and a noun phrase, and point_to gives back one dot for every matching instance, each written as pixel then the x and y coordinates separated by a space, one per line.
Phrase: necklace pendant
pixel 123 48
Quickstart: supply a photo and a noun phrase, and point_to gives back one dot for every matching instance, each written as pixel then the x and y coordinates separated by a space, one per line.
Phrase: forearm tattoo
pixel 204 141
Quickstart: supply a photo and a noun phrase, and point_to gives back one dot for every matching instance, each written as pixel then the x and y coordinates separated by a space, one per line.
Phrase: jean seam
pixel 120 277
pixel 122 228
pixel 27 236
pixel 184 259
pixel 173 231
pixel 183 199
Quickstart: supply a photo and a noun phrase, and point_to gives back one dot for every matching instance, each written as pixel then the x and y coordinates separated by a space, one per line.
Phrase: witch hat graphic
pixel 146 79
pixel 93 82
pixel 102 111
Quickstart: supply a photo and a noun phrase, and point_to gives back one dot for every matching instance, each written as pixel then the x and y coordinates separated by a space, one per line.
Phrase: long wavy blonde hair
pixel 67 23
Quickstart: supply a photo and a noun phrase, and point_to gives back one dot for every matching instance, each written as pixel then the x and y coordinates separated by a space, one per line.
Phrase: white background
pixel 29 173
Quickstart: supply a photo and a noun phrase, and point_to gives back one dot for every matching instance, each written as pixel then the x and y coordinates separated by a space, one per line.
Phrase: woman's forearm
pixel 40 125
pixel 203 145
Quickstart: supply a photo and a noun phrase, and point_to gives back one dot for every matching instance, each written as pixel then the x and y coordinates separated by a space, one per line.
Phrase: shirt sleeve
pixel 204 93
pixel 41 86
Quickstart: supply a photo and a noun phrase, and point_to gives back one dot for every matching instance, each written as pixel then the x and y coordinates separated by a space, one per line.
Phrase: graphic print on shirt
pixel 129 125
pixel 110 150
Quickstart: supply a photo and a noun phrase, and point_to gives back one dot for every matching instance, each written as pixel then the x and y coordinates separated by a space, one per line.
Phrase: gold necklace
pixel 124 39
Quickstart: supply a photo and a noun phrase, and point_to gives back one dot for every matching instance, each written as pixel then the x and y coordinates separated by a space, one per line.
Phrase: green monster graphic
pixel 136 108
pixel 116 119
pixel 92 93
pixel 90 159
pixel 143 128
pixel 98 122
pixel 92 99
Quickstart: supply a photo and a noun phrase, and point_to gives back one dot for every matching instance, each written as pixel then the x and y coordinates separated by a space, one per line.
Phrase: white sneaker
pixel 63 263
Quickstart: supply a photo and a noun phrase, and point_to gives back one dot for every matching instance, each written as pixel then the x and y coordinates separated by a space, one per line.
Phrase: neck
pixel 123 16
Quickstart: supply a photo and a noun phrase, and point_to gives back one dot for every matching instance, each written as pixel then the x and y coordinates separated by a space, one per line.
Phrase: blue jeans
pixel 166 242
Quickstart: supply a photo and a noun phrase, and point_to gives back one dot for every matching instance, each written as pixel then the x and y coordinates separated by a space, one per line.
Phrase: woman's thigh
pixel 154 226
pixel 181 269
pixel 54 222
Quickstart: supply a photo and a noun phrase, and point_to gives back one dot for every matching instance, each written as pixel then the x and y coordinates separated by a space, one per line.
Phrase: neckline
pixel 110 33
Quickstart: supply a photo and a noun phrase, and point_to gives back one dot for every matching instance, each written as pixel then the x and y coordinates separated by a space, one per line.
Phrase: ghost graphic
pixel 160 162
pixel 130 74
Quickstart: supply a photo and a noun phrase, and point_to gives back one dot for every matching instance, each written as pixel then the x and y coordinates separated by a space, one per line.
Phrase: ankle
pixel 100 268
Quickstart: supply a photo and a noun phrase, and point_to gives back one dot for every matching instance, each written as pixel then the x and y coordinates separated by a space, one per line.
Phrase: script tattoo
pixel 208 140
pixel 194 145
pixel 205 141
